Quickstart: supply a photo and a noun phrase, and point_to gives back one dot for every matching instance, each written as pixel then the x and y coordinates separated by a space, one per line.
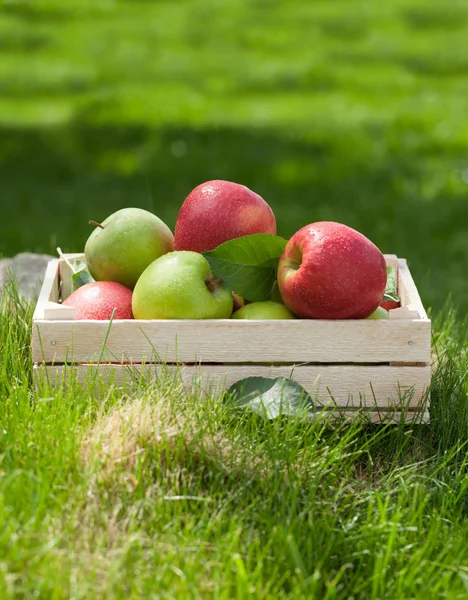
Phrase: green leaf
pixel 248 264
pixel 81 276
pixel 270 398
pixel 391 289
pixel 251 250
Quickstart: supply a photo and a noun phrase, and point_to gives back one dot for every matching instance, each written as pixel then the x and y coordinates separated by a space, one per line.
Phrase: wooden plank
pixel 66 273
pixel 66 277
pixel 58 312
pixel 343 386
pixel 408 291
pixel 49 289
pixel 298 341
pixel 376 415
pixel 403 312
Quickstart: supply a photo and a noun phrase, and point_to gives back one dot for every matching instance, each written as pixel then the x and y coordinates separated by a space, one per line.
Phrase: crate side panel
pixel 66 272
pixel 409 295
pixel 49 289
pixel 298 341
pixel 345 387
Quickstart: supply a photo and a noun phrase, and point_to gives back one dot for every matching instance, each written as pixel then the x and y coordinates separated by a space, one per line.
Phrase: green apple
pixel 379 313
pixel 124 244
pixel 263 310
pixel 181 285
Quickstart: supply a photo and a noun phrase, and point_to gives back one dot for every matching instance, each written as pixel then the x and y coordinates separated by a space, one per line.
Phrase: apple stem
pixel 211 283
pixel 96 224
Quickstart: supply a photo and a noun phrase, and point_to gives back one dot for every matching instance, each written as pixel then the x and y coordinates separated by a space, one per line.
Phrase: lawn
pixel 333 110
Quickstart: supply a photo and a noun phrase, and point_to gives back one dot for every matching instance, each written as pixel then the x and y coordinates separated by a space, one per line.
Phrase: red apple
pixel 390 304
pixel 331 271
pixel 97 300
pixel 218 211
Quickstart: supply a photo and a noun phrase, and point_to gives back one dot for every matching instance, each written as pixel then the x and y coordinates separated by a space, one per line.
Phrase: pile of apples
pixel 141 270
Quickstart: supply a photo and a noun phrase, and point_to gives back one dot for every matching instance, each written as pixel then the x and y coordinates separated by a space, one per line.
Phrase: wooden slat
pixel 49 289
pixel 344 386
pixel 66 273
pixel 233 341
pixel 408 291
pixel 402 312
pixel 58 312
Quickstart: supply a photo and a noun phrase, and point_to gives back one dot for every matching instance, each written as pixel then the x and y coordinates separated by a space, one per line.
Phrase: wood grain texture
pixel 297 341
pixel 341 386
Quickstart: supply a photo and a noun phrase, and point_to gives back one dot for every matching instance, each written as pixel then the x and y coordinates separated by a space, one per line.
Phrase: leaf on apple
pixel 81 276
pixel 270 398
pixel 248 264
pixel 391 288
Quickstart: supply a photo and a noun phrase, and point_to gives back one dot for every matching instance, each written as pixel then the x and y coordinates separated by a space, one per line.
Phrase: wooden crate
pixel 381 367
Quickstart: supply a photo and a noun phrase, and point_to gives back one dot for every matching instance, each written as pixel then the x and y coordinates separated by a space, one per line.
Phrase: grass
pixel 330 110
pixel 150 492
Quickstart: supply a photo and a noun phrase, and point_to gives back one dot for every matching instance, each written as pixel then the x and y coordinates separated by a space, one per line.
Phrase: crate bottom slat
pixel 350 387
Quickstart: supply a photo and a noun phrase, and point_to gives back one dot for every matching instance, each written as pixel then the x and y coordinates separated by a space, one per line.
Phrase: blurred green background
pixel 355 111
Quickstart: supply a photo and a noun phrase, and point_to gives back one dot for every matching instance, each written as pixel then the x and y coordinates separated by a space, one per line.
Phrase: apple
pixel 263 310
pixel 97 301
pixel 331 271
pixel 218 211
pixel 124 244
pixel 390 304
pixel 379 313
pixel 181 285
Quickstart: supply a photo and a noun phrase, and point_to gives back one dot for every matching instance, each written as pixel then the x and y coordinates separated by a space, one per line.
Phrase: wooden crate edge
pixel 374 415
pixel 348 387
